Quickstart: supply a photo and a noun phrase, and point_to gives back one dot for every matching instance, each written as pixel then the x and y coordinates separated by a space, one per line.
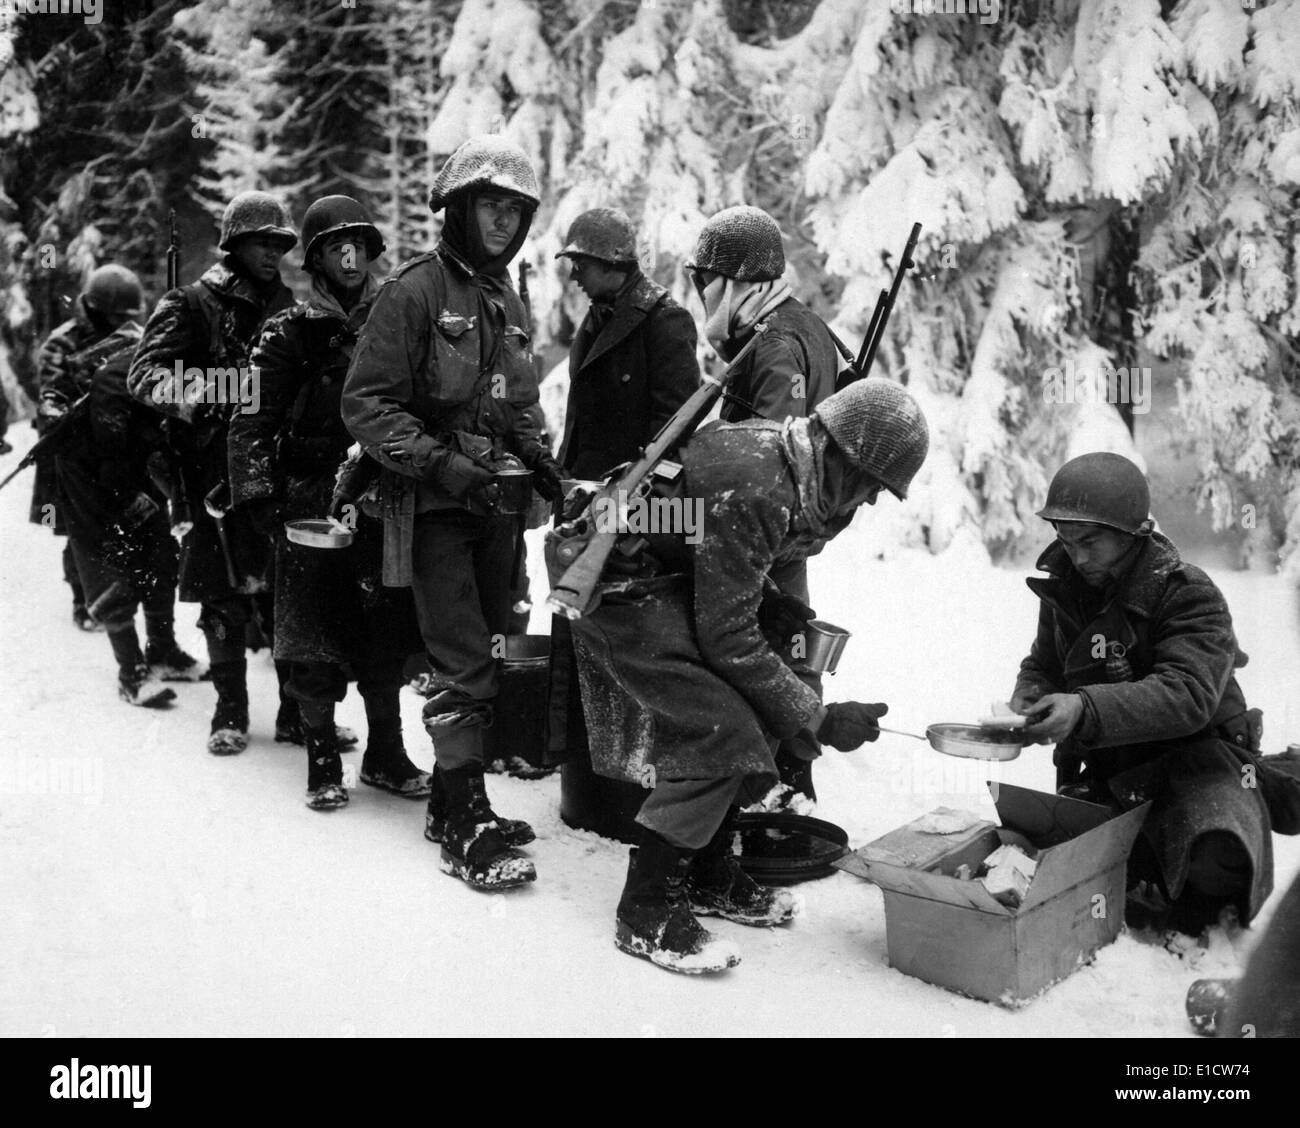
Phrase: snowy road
pixel 161 891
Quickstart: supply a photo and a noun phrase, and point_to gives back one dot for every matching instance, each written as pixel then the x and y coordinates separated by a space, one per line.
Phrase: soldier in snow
pixel 632 364
pixel 189 366
pixel 116 519
pixel 334 620
pixel 112 297
pixel 1131 676
pixel 439 392
pixel 683 687
pixel 737 270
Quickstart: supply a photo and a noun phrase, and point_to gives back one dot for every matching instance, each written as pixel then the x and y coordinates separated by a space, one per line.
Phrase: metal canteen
pixel 514 490
pixel 825 643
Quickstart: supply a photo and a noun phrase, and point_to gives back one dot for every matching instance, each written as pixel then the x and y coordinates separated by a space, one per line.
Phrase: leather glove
pixel 415 450
pixel 850 724
pixel 468 481
pixel 138 511
pixel 266 514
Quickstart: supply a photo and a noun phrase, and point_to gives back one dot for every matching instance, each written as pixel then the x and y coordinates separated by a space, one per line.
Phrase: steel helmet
pixel 1099 489
pixel 880 428
pixel 743 243
pixel 331 214
pixel 256 213
pixel 602 233
pixel 114 289
pixel 486 161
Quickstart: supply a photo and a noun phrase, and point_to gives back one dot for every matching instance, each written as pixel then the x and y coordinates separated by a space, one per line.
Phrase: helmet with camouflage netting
pixel 880 428
pixel 256 213
pixel 601 233
pixel 114 289
pixel 743 243
pixel 486 161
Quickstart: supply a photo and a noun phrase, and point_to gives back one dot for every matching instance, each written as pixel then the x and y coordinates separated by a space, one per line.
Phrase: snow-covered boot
pixel 325 790
pixel 164 654
pixel 516 832
pixel 717 886
pixel 136 684
pixel 385 764
pixel 473 847
pixel 654 920
pixel 229 732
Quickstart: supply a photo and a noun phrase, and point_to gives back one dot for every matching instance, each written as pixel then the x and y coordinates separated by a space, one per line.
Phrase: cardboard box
pixel 954 934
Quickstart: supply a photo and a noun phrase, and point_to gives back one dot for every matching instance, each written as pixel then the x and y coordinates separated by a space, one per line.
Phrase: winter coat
pixel 1172 727
pixel 210 325
pixel 327 603
pixel 675 671
pixel 791 370
pixel 628 374
pixel 62 381
pixel 444 355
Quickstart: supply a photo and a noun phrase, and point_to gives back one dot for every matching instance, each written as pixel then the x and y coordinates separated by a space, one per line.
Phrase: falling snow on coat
pixel 675 670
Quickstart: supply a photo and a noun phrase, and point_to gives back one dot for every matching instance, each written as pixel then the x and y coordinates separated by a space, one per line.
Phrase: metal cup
pixel 825 644
pixel 514 490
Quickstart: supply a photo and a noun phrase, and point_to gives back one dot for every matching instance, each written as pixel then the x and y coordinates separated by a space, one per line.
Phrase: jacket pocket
pixel 517 365
pixel 454 359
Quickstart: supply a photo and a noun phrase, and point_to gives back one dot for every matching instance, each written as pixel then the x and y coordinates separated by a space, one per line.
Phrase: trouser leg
pixel 688 812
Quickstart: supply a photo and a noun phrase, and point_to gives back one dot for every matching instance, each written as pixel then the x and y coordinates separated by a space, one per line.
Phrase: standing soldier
pixel 117 525
pixel 438 392
pixel 211 325
pixel 332 616
pixel 112 297
pixel 632 364
pixel 737 270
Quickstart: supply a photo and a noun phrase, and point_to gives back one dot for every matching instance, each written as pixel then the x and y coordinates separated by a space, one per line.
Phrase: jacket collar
pixel 321 303
pixel 636 300
pixel 1140 588
pixel 224 280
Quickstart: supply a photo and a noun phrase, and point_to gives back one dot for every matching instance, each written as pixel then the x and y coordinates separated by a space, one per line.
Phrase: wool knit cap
pixel 743 243
pixel 880 428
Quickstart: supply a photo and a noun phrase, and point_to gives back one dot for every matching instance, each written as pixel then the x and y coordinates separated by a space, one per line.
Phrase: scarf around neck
pixel 732 308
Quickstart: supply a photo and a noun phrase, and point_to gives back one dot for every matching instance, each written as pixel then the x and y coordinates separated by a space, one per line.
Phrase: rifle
pixel 61 430
pixel 579 546
pixel 173 252
pixel 880 317
pixel 162 471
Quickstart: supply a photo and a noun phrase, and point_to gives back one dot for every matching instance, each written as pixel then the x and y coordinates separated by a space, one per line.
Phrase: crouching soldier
pixel 682 687
pixel 189 366
pixel 439 392
pixel 118 530
pixel 1131 676
pixel 333 617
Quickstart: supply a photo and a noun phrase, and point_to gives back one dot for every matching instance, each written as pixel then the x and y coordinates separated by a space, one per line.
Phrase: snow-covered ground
pixel 162 891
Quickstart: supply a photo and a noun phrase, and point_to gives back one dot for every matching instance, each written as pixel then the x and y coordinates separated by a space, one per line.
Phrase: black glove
pixel 548 479
pixel 850 724
pixel 783 615
pixel 266 514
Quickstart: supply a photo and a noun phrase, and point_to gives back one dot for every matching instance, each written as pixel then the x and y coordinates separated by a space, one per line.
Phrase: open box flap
pixel 933 887
pixel 1045 819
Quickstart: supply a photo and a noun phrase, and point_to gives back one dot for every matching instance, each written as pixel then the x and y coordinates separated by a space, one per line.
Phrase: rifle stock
pixel 579 546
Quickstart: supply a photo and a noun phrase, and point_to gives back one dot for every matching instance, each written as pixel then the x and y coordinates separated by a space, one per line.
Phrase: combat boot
pixel 654 920
pixel 717 886
pixel 229 732
pixel 136 684
pixel 385 764
pixel 473 848
pixel 516 832
pixel 325 790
